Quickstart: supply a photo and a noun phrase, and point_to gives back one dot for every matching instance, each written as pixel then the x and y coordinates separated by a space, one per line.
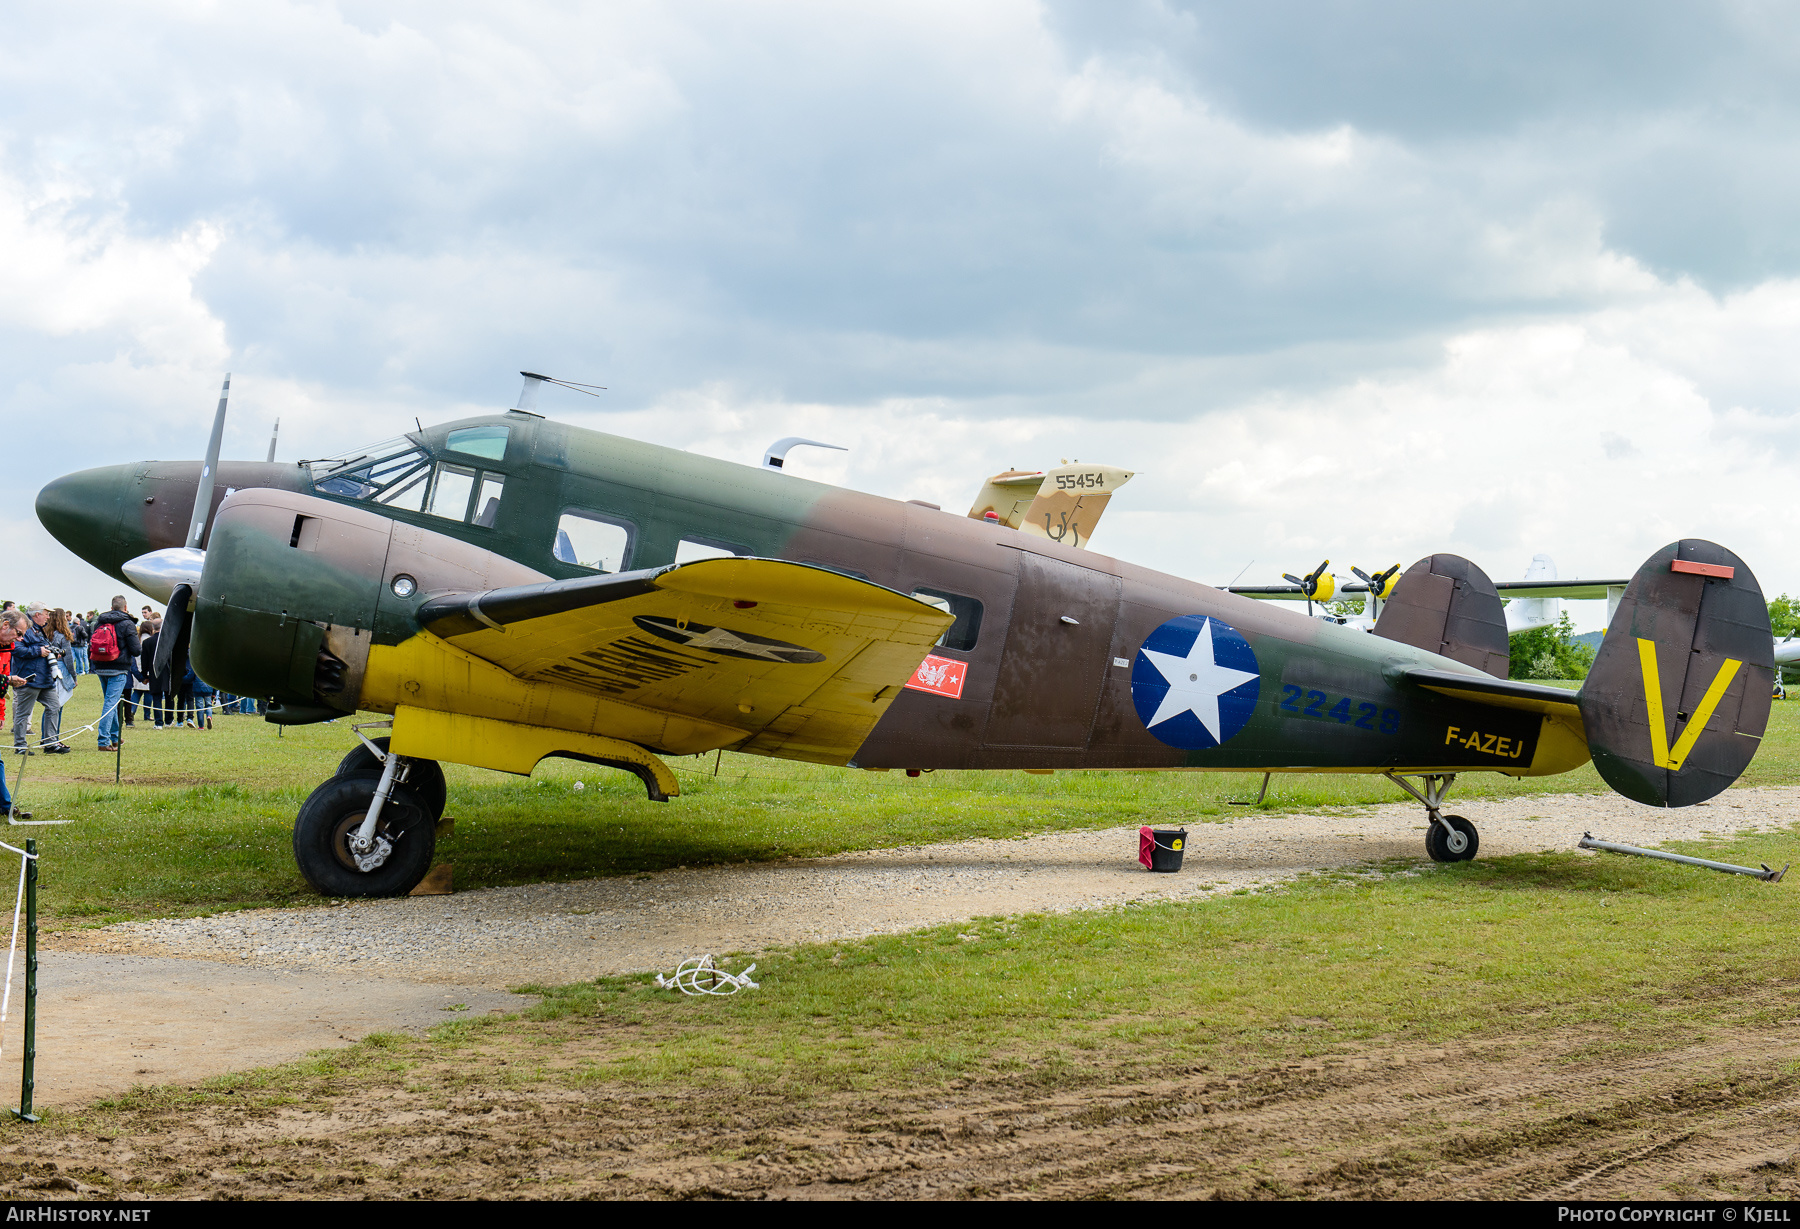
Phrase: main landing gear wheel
pixel 425 777
pixel 405 838
pixel 1454 840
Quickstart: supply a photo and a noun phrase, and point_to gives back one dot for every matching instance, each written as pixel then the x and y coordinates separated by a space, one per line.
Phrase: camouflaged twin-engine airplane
pixel 510 588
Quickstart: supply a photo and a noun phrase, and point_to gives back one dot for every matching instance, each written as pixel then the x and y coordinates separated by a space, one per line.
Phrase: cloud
pixel 1337 280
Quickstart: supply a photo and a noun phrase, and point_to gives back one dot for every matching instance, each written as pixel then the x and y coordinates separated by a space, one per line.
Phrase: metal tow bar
pixel 1767 875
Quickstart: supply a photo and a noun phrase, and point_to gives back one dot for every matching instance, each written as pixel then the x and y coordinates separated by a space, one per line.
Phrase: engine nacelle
pixel 296 588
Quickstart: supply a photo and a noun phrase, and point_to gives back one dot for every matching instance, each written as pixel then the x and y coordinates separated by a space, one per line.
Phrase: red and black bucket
pixel 1161 851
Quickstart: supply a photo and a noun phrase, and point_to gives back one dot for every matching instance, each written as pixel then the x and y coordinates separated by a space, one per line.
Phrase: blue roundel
pixel 1195 682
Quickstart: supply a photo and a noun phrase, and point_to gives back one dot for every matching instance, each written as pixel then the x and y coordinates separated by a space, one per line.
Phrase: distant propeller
pixel 1318 585
pixel 1381 584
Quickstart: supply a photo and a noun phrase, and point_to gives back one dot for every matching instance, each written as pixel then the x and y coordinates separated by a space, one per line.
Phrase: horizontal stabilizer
pixel 1501 693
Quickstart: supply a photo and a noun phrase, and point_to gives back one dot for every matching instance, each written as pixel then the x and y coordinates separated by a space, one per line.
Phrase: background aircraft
pixel 508 588
pixel 1531 603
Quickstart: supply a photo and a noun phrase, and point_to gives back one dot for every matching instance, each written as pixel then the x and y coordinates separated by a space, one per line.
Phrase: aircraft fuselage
pixel 1060 658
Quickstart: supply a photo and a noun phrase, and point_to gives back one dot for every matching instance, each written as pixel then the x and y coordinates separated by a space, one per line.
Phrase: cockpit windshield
pixel 383 472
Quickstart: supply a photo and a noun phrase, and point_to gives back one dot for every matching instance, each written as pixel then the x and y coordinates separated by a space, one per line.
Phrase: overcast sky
pixel 1350 280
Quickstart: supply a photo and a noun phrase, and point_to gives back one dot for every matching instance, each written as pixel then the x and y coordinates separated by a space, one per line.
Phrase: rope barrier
pixel 18 785
pixel 216 707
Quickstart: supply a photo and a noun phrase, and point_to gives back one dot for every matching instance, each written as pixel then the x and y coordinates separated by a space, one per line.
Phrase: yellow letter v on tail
pixel 1660 755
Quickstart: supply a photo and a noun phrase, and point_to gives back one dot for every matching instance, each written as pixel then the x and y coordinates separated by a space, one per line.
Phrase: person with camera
pixel 35 660
pixel 7 635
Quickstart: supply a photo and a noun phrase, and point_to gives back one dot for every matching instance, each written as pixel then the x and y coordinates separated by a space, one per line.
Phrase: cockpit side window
pixel 450 491
pixel 487 503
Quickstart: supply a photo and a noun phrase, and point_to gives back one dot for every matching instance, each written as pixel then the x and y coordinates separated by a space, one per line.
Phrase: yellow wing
pixel 781 658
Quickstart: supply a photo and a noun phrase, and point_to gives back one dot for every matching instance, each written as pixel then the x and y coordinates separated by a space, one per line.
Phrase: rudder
pixel 1678 697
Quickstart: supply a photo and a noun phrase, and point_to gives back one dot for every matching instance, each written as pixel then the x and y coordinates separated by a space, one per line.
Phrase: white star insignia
pixel 1195 682
pixel 731 642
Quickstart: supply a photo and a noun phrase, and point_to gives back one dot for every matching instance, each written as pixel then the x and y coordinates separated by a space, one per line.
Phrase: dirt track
pixel 1536 1116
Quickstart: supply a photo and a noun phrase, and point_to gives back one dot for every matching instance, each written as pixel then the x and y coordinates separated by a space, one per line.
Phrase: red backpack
pixel 103 645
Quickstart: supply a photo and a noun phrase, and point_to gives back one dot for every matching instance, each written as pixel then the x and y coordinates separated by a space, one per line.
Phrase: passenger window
pixel 450 492
pixel 690 549
pixel 488 503
pixel 962 634
pixel 489 442
pixel 587 541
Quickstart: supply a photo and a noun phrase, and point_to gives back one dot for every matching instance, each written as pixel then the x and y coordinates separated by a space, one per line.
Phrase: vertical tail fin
pixel 1446 605
pixel 1678 697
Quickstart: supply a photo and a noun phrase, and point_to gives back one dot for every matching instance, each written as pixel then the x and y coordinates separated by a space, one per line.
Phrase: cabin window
pixel 487 504
pixel 450 491
pixel 591 541
pixel 688 550
pixel 962 634
pixel 489 442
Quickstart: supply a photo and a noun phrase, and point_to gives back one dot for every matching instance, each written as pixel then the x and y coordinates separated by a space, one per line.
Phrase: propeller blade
pixel 1319 571
pixel 1363 576
pixel 177 630
pixel 1295 579
pixel 203 493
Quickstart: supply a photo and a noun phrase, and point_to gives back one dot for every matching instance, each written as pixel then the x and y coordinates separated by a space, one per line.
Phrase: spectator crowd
pixel 44 652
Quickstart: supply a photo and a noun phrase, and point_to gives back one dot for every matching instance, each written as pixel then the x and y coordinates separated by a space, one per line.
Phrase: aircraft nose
pixel 82 511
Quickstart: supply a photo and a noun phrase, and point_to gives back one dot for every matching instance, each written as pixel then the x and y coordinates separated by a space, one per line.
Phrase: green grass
pixel 1633 948
pixel 201 820
pixel 1635 955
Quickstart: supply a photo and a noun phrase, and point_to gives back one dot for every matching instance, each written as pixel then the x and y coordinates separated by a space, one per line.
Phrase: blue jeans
pixel 112 686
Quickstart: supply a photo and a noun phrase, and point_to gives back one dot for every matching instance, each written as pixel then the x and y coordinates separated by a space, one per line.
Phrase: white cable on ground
pixel 695 975
pixel 13 949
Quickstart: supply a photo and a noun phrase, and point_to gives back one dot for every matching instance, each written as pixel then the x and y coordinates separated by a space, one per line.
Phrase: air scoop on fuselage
pixel 113 514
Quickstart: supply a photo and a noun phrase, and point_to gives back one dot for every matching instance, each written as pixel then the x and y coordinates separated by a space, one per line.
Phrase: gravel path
pixel 565 932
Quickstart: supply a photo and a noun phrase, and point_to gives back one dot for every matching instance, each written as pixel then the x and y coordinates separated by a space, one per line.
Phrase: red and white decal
pixel 941 676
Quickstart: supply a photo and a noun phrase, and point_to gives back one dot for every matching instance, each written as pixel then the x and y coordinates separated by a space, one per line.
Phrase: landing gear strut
pixel 371 830
pixel 1448 838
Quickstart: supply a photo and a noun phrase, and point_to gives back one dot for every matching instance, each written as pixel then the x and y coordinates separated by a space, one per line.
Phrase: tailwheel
pixel 1451 838
pixel 425 777
pixel 1448 838
pixel 337 862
